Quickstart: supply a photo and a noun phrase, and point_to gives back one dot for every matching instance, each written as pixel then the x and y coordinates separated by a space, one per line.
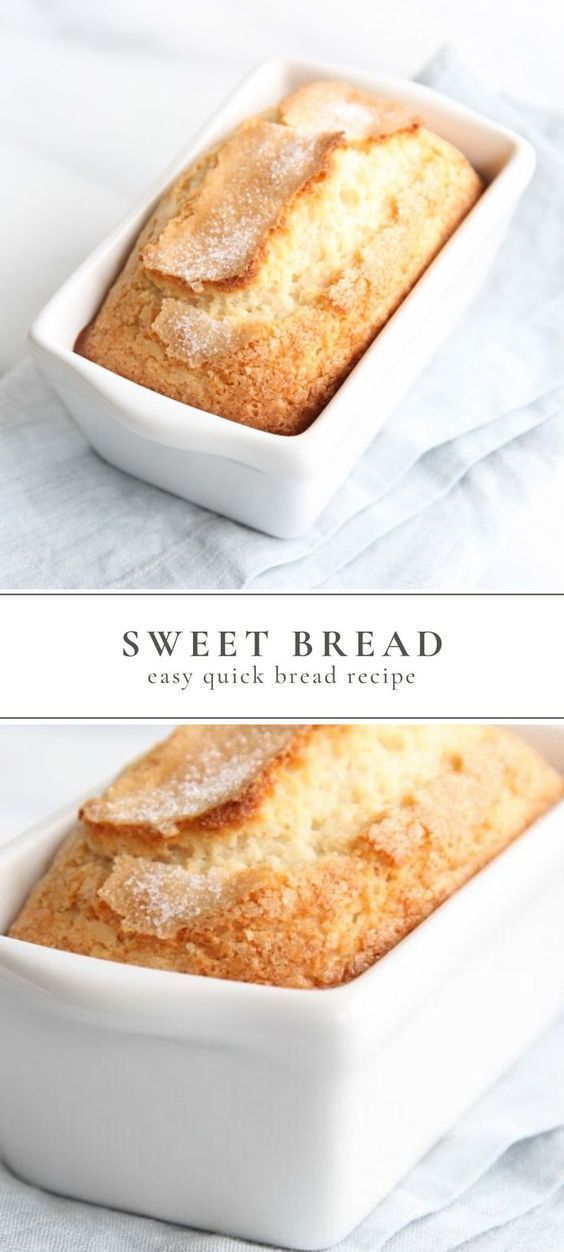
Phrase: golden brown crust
pixel 343 840
pixel 270 265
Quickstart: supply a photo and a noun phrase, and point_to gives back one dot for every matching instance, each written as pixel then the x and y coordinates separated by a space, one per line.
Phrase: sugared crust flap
pixel 153 898
pixel 197 772
pixel 191 336
pixel 338 107
pixel 220 239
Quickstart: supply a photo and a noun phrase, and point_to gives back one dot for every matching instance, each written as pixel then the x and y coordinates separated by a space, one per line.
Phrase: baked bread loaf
pixel 283 855
pixel 270 265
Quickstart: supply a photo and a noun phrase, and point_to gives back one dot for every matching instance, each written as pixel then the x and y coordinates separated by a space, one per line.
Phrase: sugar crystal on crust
pixel 153 898
pixel 257 173
pixel 338 107
pixel 190 334
pixel 198 768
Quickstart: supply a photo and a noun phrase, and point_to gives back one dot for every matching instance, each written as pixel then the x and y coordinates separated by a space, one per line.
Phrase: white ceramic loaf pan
pixel 276 483
pixel 277 1115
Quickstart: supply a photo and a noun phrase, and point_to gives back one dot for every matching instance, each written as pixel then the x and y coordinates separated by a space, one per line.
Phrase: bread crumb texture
pixel 271 264
pixel 283 855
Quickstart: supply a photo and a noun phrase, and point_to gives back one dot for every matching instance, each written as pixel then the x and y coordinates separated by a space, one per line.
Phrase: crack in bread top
pixel 219 239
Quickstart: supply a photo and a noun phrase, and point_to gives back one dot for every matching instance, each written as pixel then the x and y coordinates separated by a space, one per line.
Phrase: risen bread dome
pixel 283 855
pixel 270 265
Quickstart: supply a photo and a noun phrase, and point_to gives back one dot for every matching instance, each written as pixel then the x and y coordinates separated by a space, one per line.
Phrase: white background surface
pixel 95 97
pixel 44 767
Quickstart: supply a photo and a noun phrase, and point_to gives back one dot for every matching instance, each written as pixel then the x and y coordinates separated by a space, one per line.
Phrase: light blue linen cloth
pixel 495 1183
pixel 432 499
